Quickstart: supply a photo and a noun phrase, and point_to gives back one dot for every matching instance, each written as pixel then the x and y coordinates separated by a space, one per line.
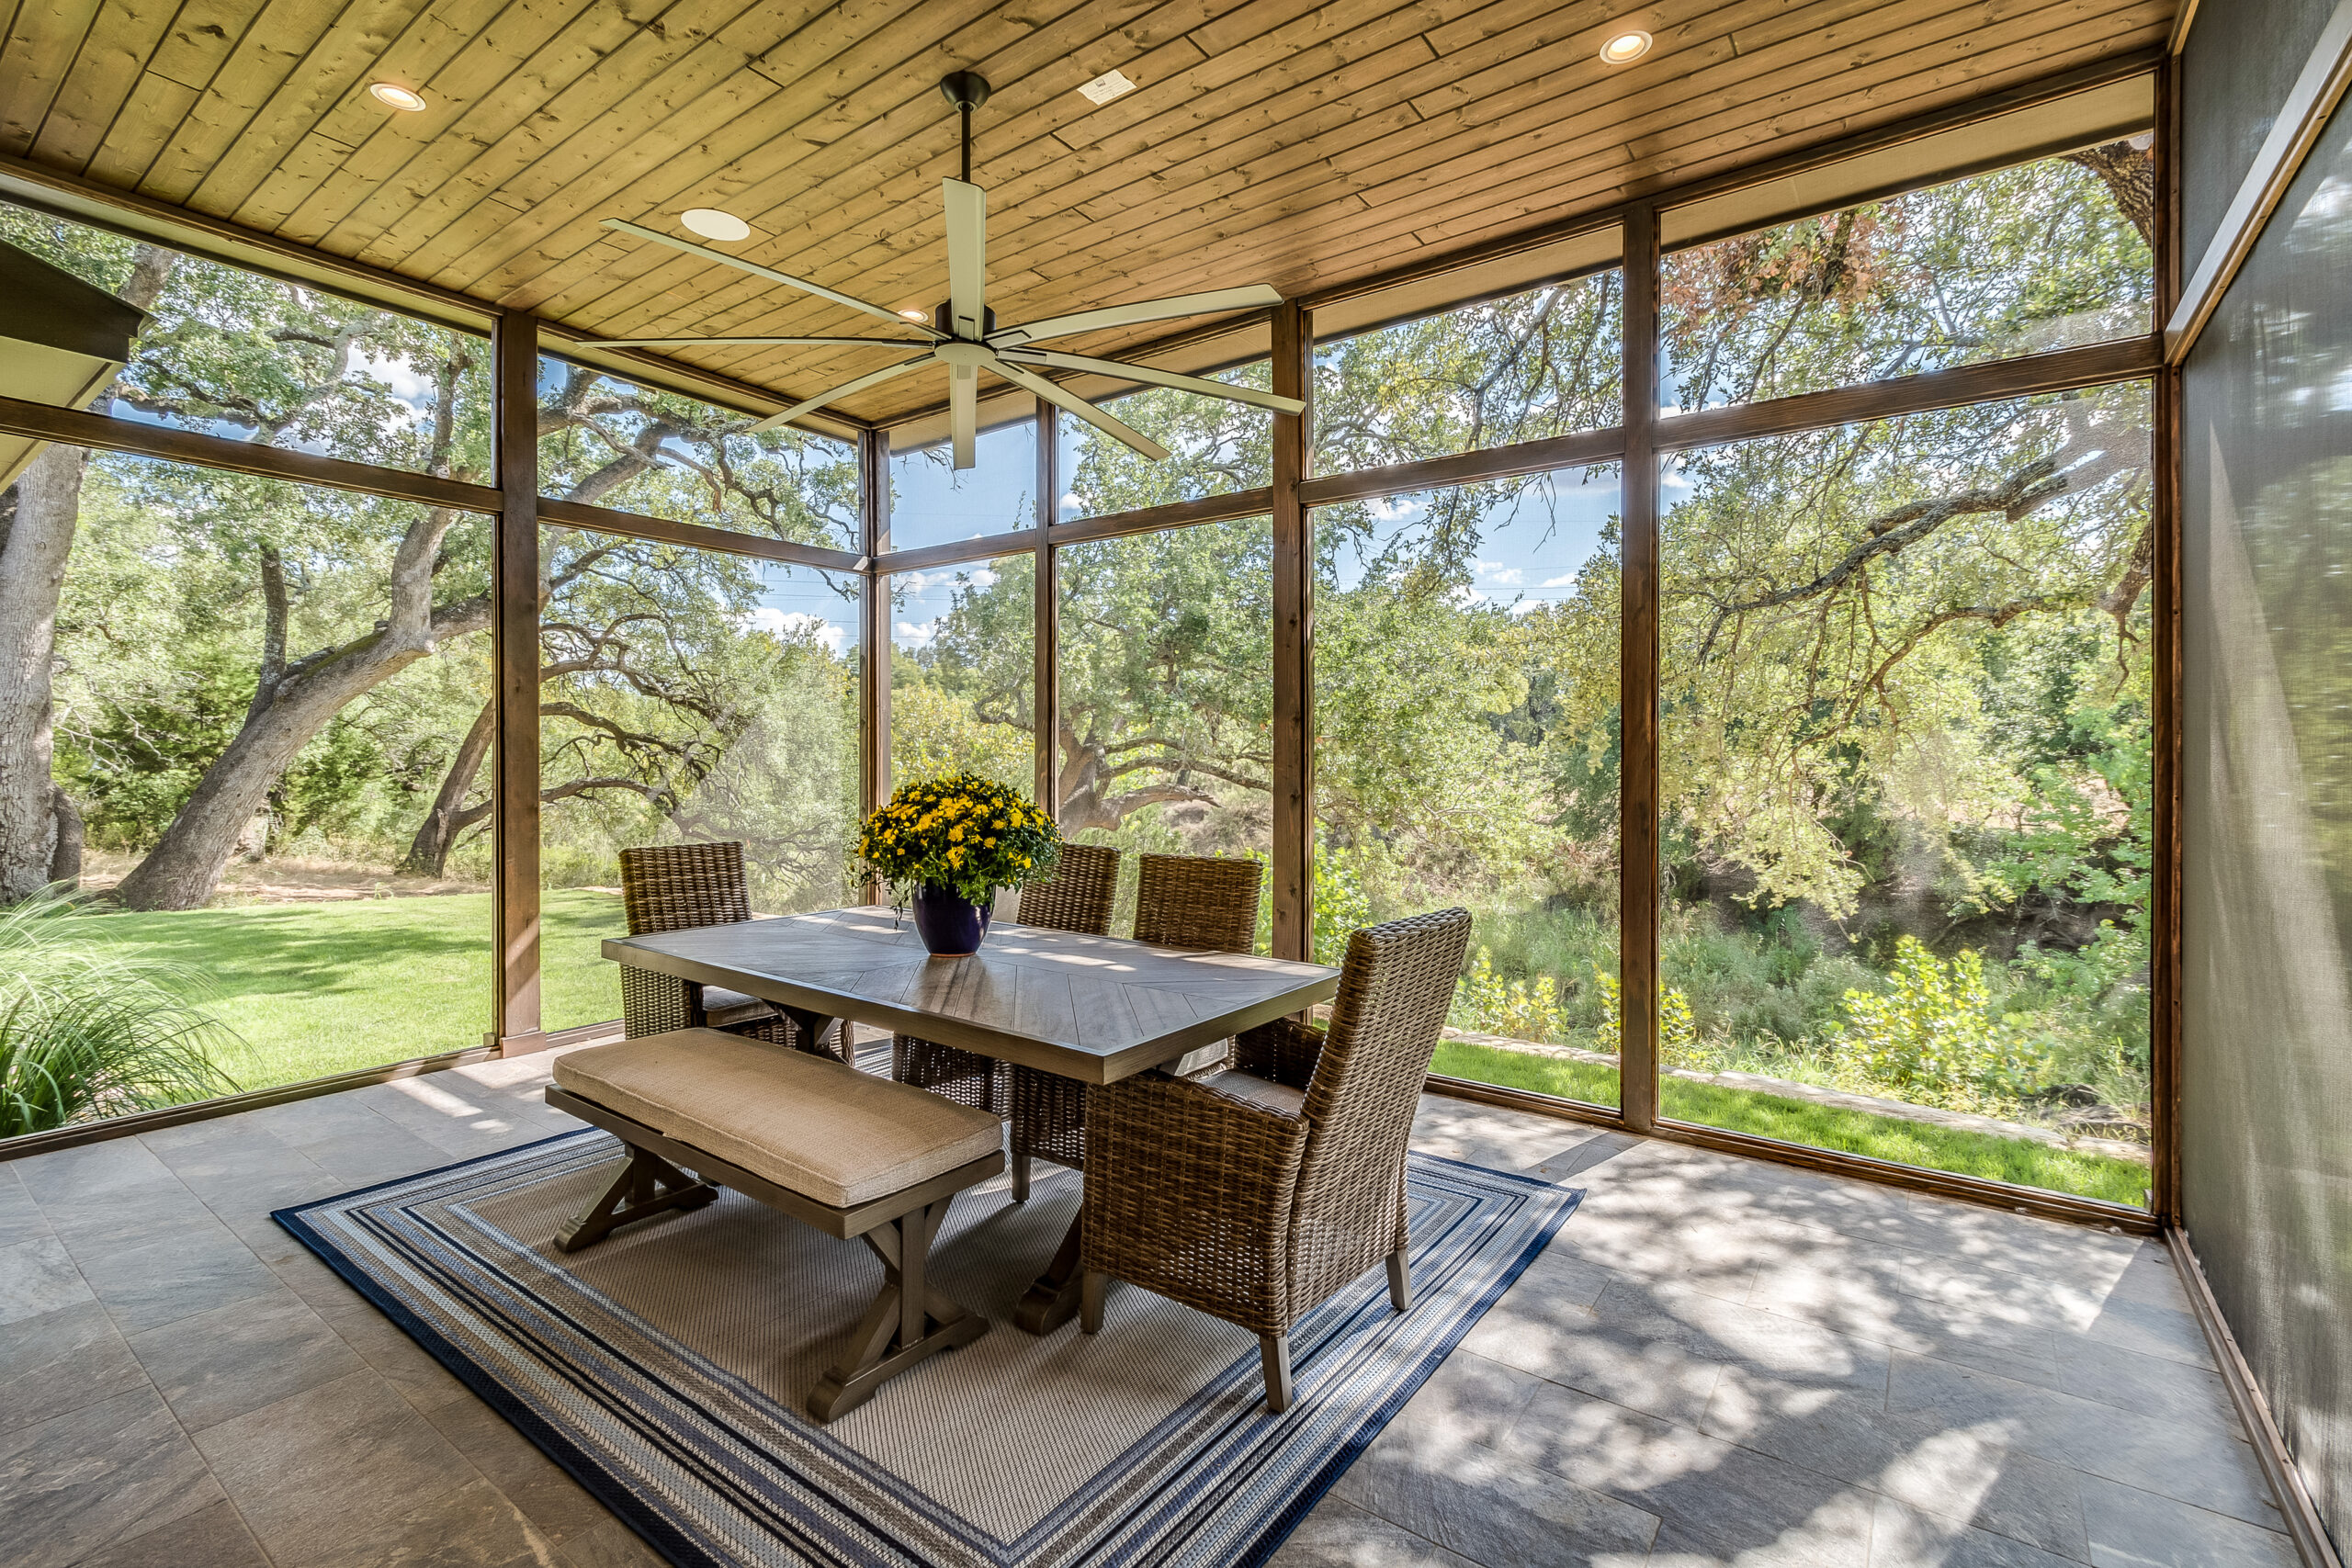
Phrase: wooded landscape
pixel 1905 673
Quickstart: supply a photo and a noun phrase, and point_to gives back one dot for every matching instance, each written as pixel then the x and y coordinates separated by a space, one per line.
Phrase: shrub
pixel 1490 1005
pixel 88 1032
pixel 1934 1038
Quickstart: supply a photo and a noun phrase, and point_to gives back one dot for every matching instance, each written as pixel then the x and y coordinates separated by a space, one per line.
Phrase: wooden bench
pixel 849 1153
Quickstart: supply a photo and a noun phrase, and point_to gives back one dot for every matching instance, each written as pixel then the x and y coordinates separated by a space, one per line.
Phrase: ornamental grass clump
pixel 87 1032
pixel 960 833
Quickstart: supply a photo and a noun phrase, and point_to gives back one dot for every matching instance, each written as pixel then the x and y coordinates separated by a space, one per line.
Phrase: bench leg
pixel 647 1185
pixel 907 1322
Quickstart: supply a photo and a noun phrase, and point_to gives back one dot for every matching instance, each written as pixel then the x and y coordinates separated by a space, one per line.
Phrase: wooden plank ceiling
pixel 1298 143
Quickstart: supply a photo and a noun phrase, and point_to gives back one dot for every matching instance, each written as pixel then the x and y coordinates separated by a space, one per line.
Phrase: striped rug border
pixel 579 1459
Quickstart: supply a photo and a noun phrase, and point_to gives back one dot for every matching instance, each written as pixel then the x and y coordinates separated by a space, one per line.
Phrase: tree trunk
pixel 66 857
pixel 428 854
pixel 32 574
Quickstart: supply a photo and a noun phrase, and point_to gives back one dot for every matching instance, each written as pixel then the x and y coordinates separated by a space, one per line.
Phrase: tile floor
pixel 1718 1362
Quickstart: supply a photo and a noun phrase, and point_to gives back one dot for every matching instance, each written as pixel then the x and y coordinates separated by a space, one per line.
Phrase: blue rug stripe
pixel 1205 1486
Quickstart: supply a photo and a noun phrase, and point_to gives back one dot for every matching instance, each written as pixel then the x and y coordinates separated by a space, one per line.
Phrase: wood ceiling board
pixel 44 41
pixel 1302 143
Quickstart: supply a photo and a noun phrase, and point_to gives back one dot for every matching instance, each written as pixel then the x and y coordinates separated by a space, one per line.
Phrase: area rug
pixel 666 1369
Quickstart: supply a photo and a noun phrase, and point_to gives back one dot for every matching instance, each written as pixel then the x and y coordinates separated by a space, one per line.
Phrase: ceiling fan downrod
pixel 967 90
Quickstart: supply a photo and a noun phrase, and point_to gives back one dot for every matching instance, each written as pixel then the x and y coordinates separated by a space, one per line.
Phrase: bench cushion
pixel 820 1129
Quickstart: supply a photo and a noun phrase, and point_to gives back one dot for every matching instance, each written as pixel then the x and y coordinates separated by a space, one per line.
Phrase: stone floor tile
pixel 473 1526
pixel 2150 1385
pixel 2149 1277
pixel 361 1157
pixel 123 1217
pixel 1591 1154
pixel 1606 1445
pixel 210 1538
pixel 2020 1244
pixel 1622 1356
pixel 614 1545
pixel 20 1217
pixel 1339 1535
pixel 37 1277
pixel 240 1170
pixel 425 1382
pixel 337 1464
pixel 88 1171
pixel 220 1364
pixel 2171 1333
pixel 2199 1466
pixel 1862 1304
pixel 1470 1399
pixel 61 1360
pixel 106 1472
pixel 2131 1529
pixel 1491 1510
pixel 1759 1512
pixel 203 1266
pixel 1906 1537
pixel 556 1506
pixel 1968 1481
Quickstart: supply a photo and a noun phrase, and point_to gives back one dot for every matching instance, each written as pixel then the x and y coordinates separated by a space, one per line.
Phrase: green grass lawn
pixel 2021 1160
pixel 318 988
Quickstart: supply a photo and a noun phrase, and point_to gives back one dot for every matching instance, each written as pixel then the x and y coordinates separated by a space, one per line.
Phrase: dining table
pixel 1095 1009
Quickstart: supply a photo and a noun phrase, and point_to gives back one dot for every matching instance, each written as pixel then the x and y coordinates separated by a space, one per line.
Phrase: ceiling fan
pixel 963 333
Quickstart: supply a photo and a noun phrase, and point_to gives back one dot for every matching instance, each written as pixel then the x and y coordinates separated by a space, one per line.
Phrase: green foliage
pixel 1491 1006
pixel 1933 1036
pixel 962 832
pixel 89 1030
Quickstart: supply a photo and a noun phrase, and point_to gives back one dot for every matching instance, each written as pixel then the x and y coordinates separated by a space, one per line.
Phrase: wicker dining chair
pixel 1077 899
pixel 1255 1193
pixel 671 888
pixel 1192 902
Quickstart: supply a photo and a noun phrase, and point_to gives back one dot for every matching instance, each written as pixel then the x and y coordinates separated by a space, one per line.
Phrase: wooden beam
pixel 1294 592
pixel 1638 799
pixel 694 535
pixel 874 635
pixel 514 664
pixel 1046 686
pixel 2032 375
pixel 954 552
pixel 2325 75
pixel 2166 590
pixel 1226 508
pixel 76 428
pixel 1467 468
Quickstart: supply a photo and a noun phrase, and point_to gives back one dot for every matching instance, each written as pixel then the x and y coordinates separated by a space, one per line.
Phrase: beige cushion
pixel 816 1127
pixel 1257 1090
pixel 720 1005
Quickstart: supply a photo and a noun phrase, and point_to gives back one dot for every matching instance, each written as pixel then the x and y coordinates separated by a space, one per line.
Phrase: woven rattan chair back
pixel 1197 901
pixel 675 888
pixel 1395 987
pixel 1078 898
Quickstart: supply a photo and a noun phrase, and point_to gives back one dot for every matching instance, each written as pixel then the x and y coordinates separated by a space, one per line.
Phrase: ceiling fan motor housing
pixel 942 316
pixel 965 89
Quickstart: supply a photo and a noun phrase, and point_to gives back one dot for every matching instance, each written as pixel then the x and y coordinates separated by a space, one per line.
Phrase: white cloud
pixel 1466 596
pixel 1567 581
pixel 984 577
pixel 796 626
pixel 1073 501
pixel 1496 572
pixel 917 632
pixel 1528 606
pixel 409 385
pixel 1389 508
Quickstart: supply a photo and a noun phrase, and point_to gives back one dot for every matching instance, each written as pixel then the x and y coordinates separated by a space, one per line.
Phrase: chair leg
pixel 908 1321
pixel 1274 1357
pixel 646 1186
pixel 1021 1179
pixel 1089 1301
pixel 1400 1281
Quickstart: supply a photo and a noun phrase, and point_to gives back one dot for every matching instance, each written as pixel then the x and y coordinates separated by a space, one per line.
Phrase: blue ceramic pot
pixel 950 926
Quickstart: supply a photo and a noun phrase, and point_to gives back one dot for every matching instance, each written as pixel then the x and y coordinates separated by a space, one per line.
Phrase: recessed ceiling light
pixel 916 315
pixel 1625 48
pixel 1104 88
pixel 391 95
pixel 713 224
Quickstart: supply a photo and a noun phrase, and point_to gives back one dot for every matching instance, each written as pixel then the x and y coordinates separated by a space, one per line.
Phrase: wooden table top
pixel 1091 1008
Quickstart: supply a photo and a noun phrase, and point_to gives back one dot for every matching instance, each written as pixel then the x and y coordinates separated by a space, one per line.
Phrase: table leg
pixel 813 1027
pixel 1052 1300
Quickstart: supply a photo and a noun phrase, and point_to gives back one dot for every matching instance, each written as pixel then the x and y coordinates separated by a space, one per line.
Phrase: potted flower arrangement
pixel 953 842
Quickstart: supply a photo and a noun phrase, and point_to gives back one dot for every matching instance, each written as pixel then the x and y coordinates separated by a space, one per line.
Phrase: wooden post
pixel 1045 691
pixel 515 659
pixel 1637 836
pixel 873 635
pixel 2165 585
pixel 1293 589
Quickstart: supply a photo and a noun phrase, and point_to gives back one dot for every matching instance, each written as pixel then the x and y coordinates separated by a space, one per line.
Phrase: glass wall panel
pixel 249 719
pixel 233 353
pixel 1907 789
pixel 1545 362
pixel 1466 731
pixel 1167 698
pixel 685 697
pixel 2046 255
pixel 2265 1079
pixel 931 504
pixel 634 449
pixel 1214 447
pixel 963 665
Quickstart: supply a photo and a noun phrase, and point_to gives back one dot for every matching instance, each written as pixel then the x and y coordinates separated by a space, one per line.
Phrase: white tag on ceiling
pixel 1104 88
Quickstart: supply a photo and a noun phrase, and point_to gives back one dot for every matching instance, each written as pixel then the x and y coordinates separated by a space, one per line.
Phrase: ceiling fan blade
pixel 1073 403
pixel 967 256
pixel 1253 294
pixel 964 412
pixel 1146 372
pixel 871 378
pixel 690 342
pixel 756 270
